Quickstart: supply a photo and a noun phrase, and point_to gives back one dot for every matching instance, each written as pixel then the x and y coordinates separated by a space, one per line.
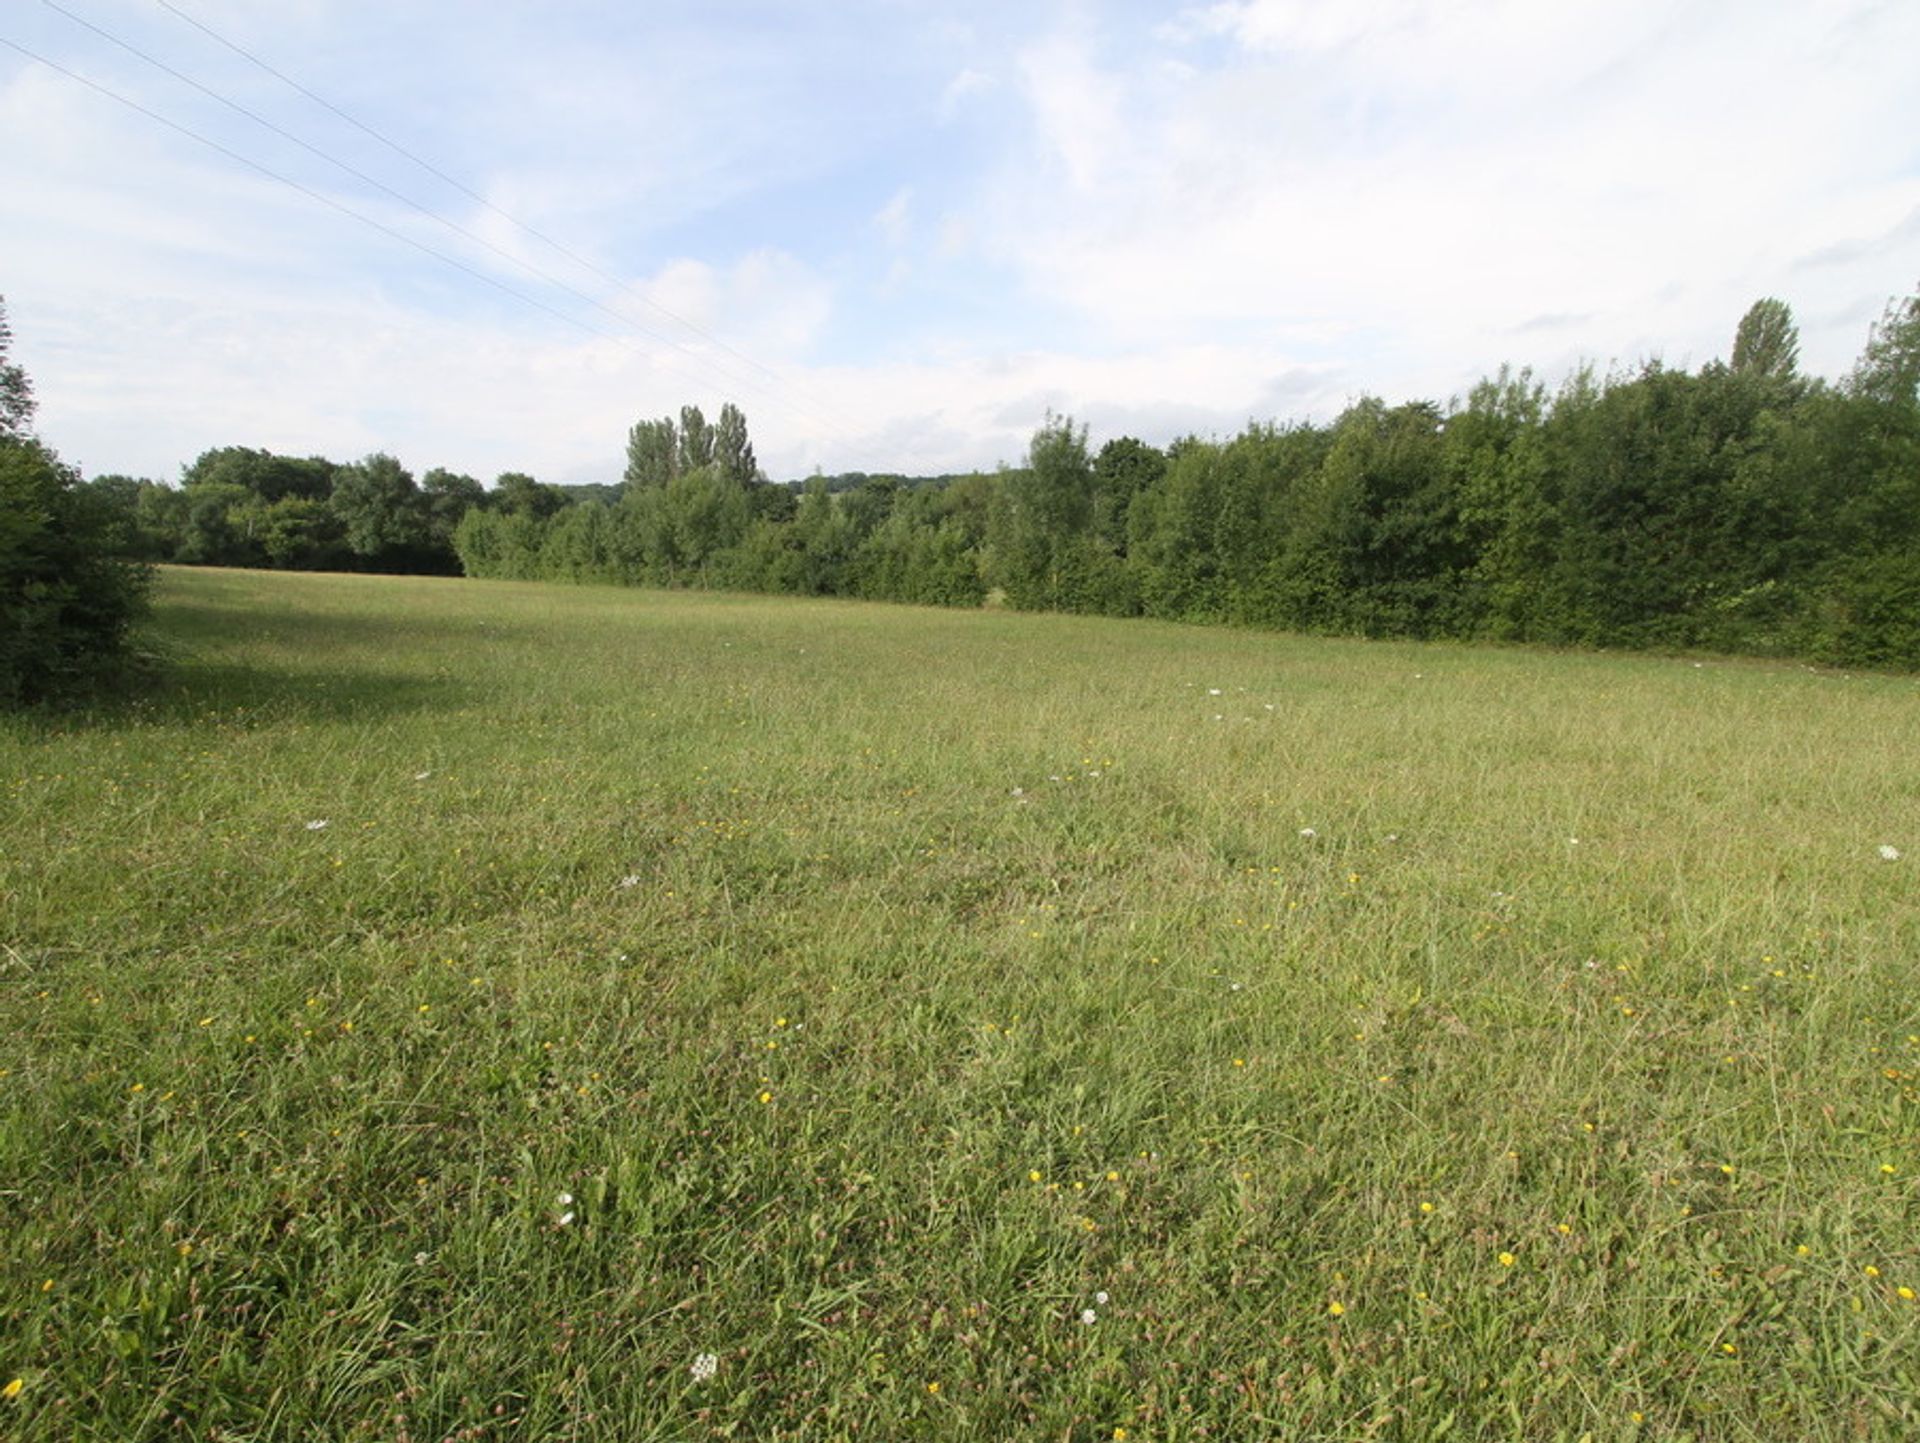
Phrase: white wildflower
pixel 317 825
pixel 632 879
pixel 420 1259
pixel 1088 1316
pixel 565 1199
pixel 705 1365
pixel 1308 833
pixel 1101 1299
pixel 1018 792
pixel 566 1220
pixel 1889 854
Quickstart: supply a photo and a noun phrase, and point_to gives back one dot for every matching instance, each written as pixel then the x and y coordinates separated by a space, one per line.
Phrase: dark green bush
pixel 68 598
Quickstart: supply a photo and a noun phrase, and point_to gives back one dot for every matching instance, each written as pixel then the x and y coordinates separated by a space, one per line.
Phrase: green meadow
pixel 452 1010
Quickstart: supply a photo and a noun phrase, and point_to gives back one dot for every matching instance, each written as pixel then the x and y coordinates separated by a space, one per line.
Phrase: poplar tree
pixel 1767 343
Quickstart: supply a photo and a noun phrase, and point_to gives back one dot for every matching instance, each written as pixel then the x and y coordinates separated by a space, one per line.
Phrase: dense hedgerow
pixel 1743 508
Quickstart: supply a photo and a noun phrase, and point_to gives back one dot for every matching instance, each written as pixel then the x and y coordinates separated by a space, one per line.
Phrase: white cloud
pixel 1272 208
pixel 1076 108
pixel 966 83
pixel 1426 177
pixel 767 304
pixel 895 218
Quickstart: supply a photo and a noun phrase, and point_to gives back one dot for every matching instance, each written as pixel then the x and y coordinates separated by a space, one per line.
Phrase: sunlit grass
pixel 1406 1042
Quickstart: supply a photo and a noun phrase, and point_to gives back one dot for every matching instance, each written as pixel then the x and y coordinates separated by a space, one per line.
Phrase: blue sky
pixel 898 234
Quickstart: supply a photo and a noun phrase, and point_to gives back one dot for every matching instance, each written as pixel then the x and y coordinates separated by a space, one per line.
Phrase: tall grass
pixel 955 1025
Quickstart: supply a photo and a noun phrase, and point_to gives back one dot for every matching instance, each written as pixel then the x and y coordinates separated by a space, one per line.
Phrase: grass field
pixel 460 1010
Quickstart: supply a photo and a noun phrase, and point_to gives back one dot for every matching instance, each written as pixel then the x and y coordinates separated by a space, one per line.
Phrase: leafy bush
pixel 68 602
pixel 68 596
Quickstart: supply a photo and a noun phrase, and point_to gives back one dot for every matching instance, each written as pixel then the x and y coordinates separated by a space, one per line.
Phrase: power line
pixel 837 422
pixel 311 194
pixel 725 377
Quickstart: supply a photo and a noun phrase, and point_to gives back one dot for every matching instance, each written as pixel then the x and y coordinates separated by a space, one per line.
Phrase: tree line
pixel 1743 507
pixel 241 506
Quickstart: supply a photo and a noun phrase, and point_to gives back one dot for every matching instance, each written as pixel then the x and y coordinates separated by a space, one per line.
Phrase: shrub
pixel 68 602
pixel 68 594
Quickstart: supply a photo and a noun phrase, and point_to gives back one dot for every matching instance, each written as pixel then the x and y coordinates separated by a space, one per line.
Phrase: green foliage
pixel 519 494
pixel 70 586
pixel 1889 369
pixel 1041 547
pixel 69 597
pixel 1767 344
pixel 1124 468
pixel 1507 495
pixel 299 533
pixel 732 451
pixel 269 477
pixel 653 453
pixel 384 515
pixel 240 506
pixel 448 496
pixel 1742 508
pixel 695 442
pixel 16 389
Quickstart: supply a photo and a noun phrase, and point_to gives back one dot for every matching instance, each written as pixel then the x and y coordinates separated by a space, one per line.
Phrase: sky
pixel 492 236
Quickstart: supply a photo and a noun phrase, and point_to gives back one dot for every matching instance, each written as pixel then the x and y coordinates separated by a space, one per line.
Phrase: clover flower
pixel 1889 854
pixel 705 1365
